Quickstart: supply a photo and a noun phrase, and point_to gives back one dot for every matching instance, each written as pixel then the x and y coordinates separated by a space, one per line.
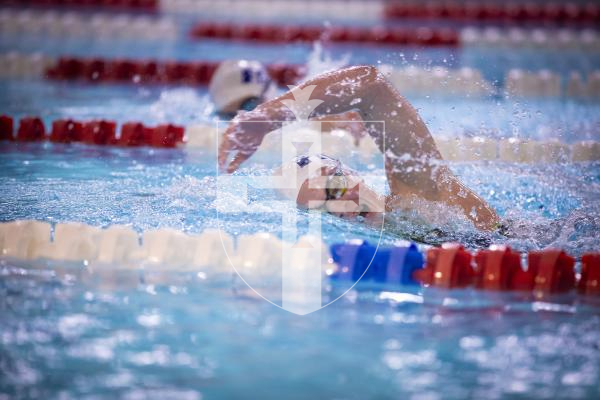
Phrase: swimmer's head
pixel 239 85
pixel 324 183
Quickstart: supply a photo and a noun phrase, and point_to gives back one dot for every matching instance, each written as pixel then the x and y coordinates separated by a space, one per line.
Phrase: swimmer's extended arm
pixel 413 162
pixel 350 121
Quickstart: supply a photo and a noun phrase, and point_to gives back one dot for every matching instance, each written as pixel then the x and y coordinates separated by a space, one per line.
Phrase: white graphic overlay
pixel 302 261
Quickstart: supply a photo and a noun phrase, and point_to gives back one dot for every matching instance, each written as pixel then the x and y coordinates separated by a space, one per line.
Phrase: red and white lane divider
pixel 96 26
pixel 437 81
pixel 410 80
pixel 134 5
pixel 103 26
pixel 36 65
pixel 422 36
pixel 337 143
pixel 464 11
pixel 586 40
pixel 563 12
pixel 555 39
pixel 259 255
pixel 99 70
pixel 519 83
pixel 155 71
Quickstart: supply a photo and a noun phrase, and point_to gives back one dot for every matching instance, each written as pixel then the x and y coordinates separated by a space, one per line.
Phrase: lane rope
pixel 421 36
pixel 451 266
pixel 128 5
pixel 338 143
pixel 537 38
pixel 564 12
pixel 358 10
pixel 91 27
pixel 101 26
pixel 467 82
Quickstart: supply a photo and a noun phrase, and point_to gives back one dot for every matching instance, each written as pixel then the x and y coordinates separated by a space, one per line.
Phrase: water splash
pixel 319 61
pixel 181 104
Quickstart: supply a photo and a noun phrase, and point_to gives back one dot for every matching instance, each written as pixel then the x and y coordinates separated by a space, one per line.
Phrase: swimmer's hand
pixel 241 139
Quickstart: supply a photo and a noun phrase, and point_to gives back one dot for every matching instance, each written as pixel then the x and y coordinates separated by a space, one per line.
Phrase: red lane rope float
pixel 499 268
pixel 96 132
pixel 6 128
pixel 31 129
pixel 155 72
pixel 589 283
pixel 557 12
pixel 554 271
pixel 285 34
pixel 496 268
pixel 138 5
pixel 447 267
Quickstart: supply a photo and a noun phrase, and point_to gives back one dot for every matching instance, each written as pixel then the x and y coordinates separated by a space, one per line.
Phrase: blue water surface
pixel 68 330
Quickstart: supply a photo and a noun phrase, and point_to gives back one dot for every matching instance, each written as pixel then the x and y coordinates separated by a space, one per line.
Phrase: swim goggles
pixel 337 185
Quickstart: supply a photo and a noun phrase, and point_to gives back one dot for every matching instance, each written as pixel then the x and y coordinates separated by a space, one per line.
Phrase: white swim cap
pixel 236 81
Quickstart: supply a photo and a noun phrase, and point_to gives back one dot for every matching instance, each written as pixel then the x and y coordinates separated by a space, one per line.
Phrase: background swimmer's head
pixel 239 85
pixel 325 183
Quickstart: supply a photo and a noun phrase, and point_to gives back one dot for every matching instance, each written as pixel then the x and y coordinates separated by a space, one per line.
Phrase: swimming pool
pixel 69 332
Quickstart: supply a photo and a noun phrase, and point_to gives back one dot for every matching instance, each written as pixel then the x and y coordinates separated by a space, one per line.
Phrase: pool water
pixel 67 331
pixel 183 337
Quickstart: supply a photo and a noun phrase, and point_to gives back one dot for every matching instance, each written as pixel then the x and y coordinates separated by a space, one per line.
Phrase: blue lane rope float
pixel 361 260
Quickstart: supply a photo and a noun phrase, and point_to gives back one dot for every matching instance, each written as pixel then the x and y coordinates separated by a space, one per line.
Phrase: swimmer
pixel 242 85
pixel 414 167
